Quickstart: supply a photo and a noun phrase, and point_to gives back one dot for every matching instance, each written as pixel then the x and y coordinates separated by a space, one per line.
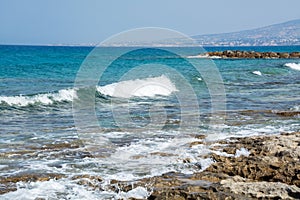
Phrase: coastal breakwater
pixel 249 54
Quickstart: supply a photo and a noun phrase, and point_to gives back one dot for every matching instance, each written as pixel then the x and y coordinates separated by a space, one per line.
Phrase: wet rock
pixel 274 158
pixel 196 143
pixel 288 113
pixel 162 154
pixel 271 171
pixel 87 180
pixel 30 177
pixel 8 183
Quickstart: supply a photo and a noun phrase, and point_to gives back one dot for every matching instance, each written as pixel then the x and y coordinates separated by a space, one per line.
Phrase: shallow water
pixel 145 132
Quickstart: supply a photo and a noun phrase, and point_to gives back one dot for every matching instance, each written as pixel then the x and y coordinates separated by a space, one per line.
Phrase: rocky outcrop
pixel 271 171
pixel 252 54
pixel 263 189
pixel 273 159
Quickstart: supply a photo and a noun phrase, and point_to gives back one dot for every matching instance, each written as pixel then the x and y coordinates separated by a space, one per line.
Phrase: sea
pixel 98 116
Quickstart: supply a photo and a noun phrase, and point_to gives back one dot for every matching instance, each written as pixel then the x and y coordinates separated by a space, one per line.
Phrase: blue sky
pixel 91 21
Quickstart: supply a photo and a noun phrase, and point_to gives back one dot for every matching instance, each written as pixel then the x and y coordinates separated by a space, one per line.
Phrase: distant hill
pixel 287 33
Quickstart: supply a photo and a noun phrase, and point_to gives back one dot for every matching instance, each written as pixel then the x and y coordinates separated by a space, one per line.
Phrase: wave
pixel 257 73
pixel 64 95
pixel 296 108
pixel 295 66
pixel 149 87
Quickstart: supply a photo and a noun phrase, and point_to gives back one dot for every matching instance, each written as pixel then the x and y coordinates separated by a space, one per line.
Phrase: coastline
pixel 270 171
pixel 264 104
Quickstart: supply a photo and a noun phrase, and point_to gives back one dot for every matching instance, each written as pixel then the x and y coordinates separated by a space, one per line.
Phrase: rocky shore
pixel 271 170
pixel 251 54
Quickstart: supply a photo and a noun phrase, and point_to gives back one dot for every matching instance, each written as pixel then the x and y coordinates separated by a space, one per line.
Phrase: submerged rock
pixel 8 183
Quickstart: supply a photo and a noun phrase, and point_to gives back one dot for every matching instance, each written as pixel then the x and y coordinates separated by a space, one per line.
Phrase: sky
pixel 92 21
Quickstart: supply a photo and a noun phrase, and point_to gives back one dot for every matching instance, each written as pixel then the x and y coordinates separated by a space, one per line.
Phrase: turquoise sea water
pixel 38 96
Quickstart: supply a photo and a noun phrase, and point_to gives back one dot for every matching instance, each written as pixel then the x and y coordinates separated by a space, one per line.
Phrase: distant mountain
pixel 287 33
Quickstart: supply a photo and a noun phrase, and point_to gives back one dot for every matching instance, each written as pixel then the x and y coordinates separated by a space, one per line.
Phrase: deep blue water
pixel 41 94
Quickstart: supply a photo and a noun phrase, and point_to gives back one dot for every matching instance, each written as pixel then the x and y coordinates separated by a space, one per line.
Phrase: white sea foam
pixel 148 87
pixel 215 57
pixel 295 66
pixel 199 56
pixel 156 156
pixel 3 166
pixel 296 108
pixel 257 73
pixel 54 189
pixel 242 152
pixel 204 56
pixel 239 152
pixel 137 193
pixel 46 99
pixel 126 164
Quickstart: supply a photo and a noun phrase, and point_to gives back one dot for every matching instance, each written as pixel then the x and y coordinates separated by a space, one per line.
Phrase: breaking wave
pixel 149 87
pixel 295 66
pixel 257 73
pixel 65 95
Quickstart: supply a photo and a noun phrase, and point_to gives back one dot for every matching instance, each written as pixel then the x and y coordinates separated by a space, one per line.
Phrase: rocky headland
pixel 251 54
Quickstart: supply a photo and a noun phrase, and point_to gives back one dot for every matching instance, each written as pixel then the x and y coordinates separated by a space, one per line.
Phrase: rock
pixel 196 143
pixel 271 159
pixel 162 154
pixel 284 55
pixel 273 55
pixel 257 55
pixel 253 54
pixel 87 180
pixel 8 184
pixel 265 190
pixel 271 171
pixel 288 113
pixel 30 177
pixel 295 55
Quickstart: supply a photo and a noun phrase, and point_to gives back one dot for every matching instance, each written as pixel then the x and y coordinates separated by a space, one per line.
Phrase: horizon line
pixel 92 44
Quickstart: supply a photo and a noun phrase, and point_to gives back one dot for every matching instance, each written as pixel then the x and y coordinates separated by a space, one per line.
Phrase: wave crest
pixel 65 95
pixel 257 73
pixel 295 66
pixel 149 87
